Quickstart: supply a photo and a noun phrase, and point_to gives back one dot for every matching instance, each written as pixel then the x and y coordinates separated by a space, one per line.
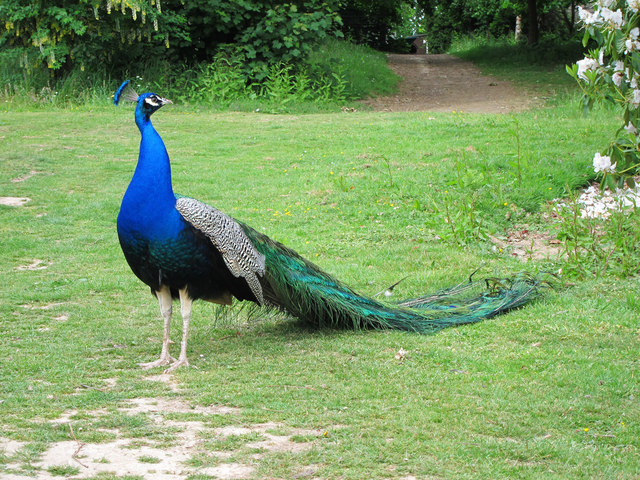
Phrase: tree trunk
pixel 532 17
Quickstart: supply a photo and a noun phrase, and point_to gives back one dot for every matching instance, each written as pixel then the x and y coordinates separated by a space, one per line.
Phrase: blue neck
pixel 153 172
pixel 149 196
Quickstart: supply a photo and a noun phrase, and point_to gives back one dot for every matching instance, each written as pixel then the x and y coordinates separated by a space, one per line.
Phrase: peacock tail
pixel 296 286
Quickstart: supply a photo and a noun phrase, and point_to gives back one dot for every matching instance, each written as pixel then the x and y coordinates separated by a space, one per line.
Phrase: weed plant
pixel 596 245
pixel 334 74
pixel 357 67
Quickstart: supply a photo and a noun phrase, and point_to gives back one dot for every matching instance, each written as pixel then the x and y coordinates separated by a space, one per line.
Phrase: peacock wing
pixel 239 255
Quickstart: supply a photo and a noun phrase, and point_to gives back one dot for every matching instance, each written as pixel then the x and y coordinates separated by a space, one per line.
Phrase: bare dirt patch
pixel 24 177
pixel 526 244
pixel 152 459
pixel 14 201
pixel 443 83
pixel 36 264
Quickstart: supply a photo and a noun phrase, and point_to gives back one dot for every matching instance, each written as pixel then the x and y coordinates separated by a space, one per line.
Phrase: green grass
pixel 539 68
pixel 362 68
pixel 63 470
pixel 549 390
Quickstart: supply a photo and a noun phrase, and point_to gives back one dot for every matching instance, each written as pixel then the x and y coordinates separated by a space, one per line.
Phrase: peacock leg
pixel 164 299
pixel 185 309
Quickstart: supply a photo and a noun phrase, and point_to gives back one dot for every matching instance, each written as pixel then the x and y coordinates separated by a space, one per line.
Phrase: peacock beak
pixel 164 101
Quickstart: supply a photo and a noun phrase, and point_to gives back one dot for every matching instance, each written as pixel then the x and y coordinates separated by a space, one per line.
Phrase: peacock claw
pixel 178 363
pixel 158 363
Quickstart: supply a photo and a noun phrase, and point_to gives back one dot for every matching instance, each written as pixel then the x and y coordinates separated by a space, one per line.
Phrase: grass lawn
pixel 550 390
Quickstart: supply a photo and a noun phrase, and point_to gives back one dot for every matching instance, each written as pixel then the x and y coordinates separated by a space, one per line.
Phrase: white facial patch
pixel 152 101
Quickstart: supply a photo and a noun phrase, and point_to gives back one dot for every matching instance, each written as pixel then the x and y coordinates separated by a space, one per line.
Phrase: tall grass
pixel 336 72
pixel 362 69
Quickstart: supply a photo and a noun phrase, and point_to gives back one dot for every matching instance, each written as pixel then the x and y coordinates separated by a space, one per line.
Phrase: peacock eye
pixel 152 101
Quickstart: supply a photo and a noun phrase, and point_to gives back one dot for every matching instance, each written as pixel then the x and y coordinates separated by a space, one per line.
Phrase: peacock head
pixel 148 103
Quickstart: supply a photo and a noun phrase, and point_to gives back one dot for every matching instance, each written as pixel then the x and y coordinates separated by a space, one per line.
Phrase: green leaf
pixel 619 42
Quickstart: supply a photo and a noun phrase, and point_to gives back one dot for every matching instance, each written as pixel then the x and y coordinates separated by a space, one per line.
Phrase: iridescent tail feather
pixel 301 289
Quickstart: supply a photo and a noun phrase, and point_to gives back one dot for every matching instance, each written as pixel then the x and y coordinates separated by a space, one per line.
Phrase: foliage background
pixel 45 44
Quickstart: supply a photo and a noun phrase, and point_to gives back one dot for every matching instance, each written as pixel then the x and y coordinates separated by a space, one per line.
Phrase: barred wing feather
pixel 239 255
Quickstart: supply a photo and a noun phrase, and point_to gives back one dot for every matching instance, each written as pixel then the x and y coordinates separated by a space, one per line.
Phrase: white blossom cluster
pixel 602 163
pixel 631 44
pixel 603 16
pixel 594 204
pixel 587 64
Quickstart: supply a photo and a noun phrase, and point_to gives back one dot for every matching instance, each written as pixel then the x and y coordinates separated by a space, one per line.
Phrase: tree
pixel 117 34
pixel 64 32
pixel 264 32
pixel 532 15
pixel 371 22
pixel 445 18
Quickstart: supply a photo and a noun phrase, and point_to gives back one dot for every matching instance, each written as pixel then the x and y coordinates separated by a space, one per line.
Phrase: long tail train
pixel 301 289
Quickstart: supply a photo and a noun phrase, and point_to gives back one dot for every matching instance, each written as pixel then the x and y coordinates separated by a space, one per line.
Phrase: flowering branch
pixel 611 73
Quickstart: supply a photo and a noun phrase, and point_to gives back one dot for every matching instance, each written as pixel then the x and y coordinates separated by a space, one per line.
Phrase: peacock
pixel 183 248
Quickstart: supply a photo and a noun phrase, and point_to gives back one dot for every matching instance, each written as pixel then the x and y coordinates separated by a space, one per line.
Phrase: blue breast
pixel 159 245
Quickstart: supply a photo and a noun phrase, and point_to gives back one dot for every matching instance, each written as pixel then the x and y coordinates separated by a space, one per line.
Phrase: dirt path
pixel 444 83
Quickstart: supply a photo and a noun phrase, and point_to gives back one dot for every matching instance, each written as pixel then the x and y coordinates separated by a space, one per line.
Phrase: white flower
pixel 628 45
pixel 618 73
pixel 586 65
pixel 587 17
pixel 617 18
pixel 602 163
pixel 613 18
pixel 630 128
pixel 617 78
pixel 402 353
pixel 636 99
pixel 606 3
pixel 634 5
pixel 631 45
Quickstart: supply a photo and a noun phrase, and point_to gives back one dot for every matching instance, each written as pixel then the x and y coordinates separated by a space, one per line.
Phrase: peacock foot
pixel 163 360
pixel 178 363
